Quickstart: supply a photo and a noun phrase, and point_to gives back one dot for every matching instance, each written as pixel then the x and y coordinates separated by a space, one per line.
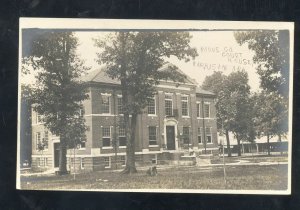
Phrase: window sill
pixel 45 150
pixel 107 147
pixel 106 166
pixel 153 146
pixel 122 147
pixel 152 115
pixel 186 117
pixel 106 115
pixel 81 148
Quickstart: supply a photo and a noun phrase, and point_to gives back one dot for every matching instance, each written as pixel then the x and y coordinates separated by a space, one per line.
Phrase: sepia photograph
pixel 155 106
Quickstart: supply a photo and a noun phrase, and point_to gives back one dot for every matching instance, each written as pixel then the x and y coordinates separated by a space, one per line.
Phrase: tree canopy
pixel 135 58
pixel 271 49
pixel 233 104
pixel 58 94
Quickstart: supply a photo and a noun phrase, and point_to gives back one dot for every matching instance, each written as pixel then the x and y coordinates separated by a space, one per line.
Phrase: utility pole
pixel 224 169
pixel 74 151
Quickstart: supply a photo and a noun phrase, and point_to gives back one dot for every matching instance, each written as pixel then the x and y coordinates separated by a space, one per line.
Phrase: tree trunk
pixel 238 145
pixel 62 156
pixel 228 143
pixel 268 144
pixel 130 150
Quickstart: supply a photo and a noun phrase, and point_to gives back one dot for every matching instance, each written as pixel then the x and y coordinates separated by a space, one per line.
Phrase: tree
pixel 233 105
pixel 135 58
pixel 238 111
pixel 270 116
pixel 25 123
pixel 271 49
pixel 216 84
pixel 58 93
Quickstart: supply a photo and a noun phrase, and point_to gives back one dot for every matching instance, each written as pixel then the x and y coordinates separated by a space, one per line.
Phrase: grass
pixel 252 159
pixel 254 177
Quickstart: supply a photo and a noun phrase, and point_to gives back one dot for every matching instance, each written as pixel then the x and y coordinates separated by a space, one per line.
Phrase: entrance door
pixel 170 137
pixel 56 155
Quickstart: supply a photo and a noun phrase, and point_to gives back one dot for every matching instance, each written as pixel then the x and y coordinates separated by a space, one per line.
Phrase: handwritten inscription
pixel 229 59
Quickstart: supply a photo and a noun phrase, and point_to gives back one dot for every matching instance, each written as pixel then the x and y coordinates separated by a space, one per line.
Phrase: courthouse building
pixel 178 121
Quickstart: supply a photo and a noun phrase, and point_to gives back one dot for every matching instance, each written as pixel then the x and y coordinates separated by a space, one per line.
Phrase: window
pixel 81 145
pixel 38 162
pixel 123 160
pixel 198 110
pixel 184 106
pixel 107 162
pixel 152 135
pixel 82 163
pixel 106 136
pixel 42 162
pixel 71 162
pixel 105 104
pixel 206 111
pixel 199 135
pixel 208 135
pixel 46 140
pixel 154 159
pixel 38 118
pixel 151 106
pixel 186 135
pixel 122 136
pixel 46 161
pixel 38 141
pixel 120 105
pixel 168 105
pixel 81 111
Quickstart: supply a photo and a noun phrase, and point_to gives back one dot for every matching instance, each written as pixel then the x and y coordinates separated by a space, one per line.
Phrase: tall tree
pixel 238 107
pixel 216 84
pixel 135 58
pixel 270 115
pixel 58 92
pixel 233 105
pixel 271 49
pixel 25 124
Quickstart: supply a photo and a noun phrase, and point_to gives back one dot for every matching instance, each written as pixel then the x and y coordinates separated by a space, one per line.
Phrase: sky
pixel 218 51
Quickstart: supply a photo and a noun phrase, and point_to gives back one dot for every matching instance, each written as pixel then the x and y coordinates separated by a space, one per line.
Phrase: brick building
pixel 173 124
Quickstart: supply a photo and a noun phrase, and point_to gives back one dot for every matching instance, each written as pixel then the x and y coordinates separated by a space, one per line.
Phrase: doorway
pixel 170 130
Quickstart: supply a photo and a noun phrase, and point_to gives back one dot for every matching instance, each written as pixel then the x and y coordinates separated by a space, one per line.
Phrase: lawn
pixel 254 177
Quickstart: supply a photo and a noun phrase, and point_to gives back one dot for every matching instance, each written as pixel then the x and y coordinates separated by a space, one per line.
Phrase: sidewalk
pixel 239 162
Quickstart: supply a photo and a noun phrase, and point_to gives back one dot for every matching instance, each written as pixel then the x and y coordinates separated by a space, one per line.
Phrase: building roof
pixel 204 92
pixel 188 79
pixel 100 75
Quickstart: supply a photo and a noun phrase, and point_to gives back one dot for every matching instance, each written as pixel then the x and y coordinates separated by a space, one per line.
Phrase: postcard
pixel 155 106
